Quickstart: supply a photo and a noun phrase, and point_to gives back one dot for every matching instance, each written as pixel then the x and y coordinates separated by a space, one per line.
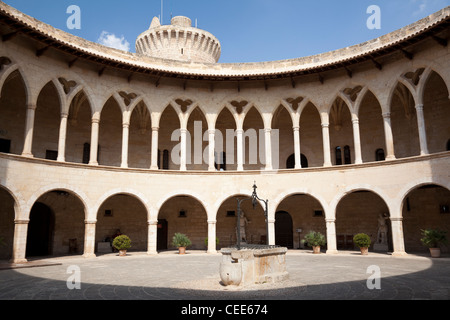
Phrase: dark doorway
pixel 40 231
pixel 162 233
pixel 290 162
pixel 284 230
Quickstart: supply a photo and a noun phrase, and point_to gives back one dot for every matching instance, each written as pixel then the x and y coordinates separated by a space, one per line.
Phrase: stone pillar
pixel 357 141
pixel 422 131
pixel 20 241
pixel 29 128
pixel 89 239
pixel 298 154
pixel 183 150
pixel 62 138
pixel 211 150
pixel 390 153
pixel 331 236
pixel 271 235
pixel 268 146
pixel 212 236
pixel 125 140
pixel 94 142
pixel 155 138
pixel 398 240
pixel 152 240
pixel 326 144
pixel 240 151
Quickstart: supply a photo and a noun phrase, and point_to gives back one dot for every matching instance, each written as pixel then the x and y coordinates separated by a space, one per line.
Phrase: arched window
pixel 290 162
pixel 166 160
pixel 347 155
pixel 221 161
pixel 338 155
pixel 379 155
pixel 448 145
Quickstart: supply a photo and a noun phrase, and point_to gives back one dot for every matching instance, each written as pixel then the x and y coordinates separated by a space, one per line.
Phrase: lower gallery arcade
pixel 57 224
pixel 96 144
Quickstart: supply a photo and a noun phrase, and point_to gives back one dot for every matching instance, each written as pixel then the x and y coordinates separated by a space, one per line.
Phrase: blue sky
pixel 249 30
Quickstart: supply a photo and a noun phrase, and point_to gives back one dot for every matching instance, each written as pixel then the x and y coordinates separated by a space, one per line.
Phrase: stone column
pixel 422 131
pixel 152 240
pixel 326 144
pixel 268 146
pixel 94 142
pixel 20 241
pixel 211 150
pixel 155 138
pixel 183 150
pixel 398 240
pixel 390 153
pixel 298 154
pixel 331 236
pixel 271 235
pixel 125 140
pixel 29 128
pixel 89 239
pixel 240 151
pixel 62 138
pixel 212 236
pixel 357 141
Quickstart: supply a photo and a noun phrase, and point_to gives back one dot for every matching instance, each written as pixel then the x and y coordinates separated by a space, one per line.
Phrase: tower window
pixel 5 146
pixel 347 156
pixel 338 155
pixel 379 155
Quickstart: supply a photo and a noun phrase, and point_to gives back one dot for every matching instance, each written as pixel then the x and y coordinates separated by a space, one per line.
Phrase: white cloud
pixel 112 41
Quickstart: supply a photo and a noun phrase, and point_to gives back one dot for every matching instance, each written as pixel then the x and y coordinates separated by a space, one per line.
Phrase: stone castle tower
pixel 178 41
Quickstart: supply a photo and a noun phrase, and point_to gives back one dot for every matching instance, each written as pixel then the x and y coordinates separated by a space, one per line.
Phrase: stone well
pixel 253 265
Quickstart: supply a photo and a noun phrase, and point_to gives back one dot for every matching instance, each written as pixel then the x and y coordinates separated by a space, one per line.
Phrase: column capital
pixel 64 114
pixel 90 221
pixel 386 115
pixel 267 130
pixel 211 131
pixel 355 121
pixel 212 221
pixel 419 106
pixel 155 129
pixel 31 106
pixel 125 125
pixel 330 220
pixel 296 128
pixel 95 120
pixel 397 219
pixel 325 125
pixel 239 131
pixel 152 222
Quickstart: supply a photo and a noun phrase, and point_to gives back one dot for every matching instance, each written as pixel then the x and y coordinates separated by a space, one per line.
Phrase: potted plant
pixel 181 241
pixel 433 239
pixel 122 243
pixel 362 241
pixel 315 240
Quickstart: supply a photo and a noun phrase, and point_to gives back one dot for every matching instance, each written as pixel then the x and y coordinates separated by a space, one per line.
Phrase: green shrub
pixel 122 242
pixel 181 240
pixel 206 241
pixel 362 240
pixel 433 238
pixel 314 239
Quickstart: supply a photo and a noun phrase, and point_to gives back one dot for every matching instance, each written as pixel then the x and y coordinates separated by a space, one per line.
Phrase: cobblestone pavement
pixel 195 276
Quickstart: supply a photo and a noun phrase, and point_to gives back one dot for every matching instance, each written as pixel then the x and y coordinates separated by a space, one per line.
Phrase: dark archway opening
pixel 40 231
pixel 284 230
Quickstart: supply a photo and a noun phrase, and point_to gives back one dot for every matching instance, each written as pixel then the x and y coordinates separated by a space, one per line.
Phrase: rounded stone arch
pixel 226 216
pixel 185 193
pixel 19 203
pixel 9 214
pixel 409 187
pixel 291 192
pixel 59 187
pixel 360 187
pixel 119 191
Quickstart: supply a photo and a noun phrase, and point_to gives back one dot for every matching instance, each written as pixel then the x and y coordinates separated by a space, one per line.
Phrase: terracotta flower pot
pixel 182 250
pixel 364 251
pixel 316 249
pixel 435 252
pixel 122 253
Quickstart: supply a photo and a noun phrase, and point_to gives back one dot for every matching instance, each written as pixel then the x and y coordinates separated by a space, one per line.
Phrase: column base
pixel 399 254
pixel 18 261
pixel 332 251
pixel 27 155
pixel 152 253
pixel 89 255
